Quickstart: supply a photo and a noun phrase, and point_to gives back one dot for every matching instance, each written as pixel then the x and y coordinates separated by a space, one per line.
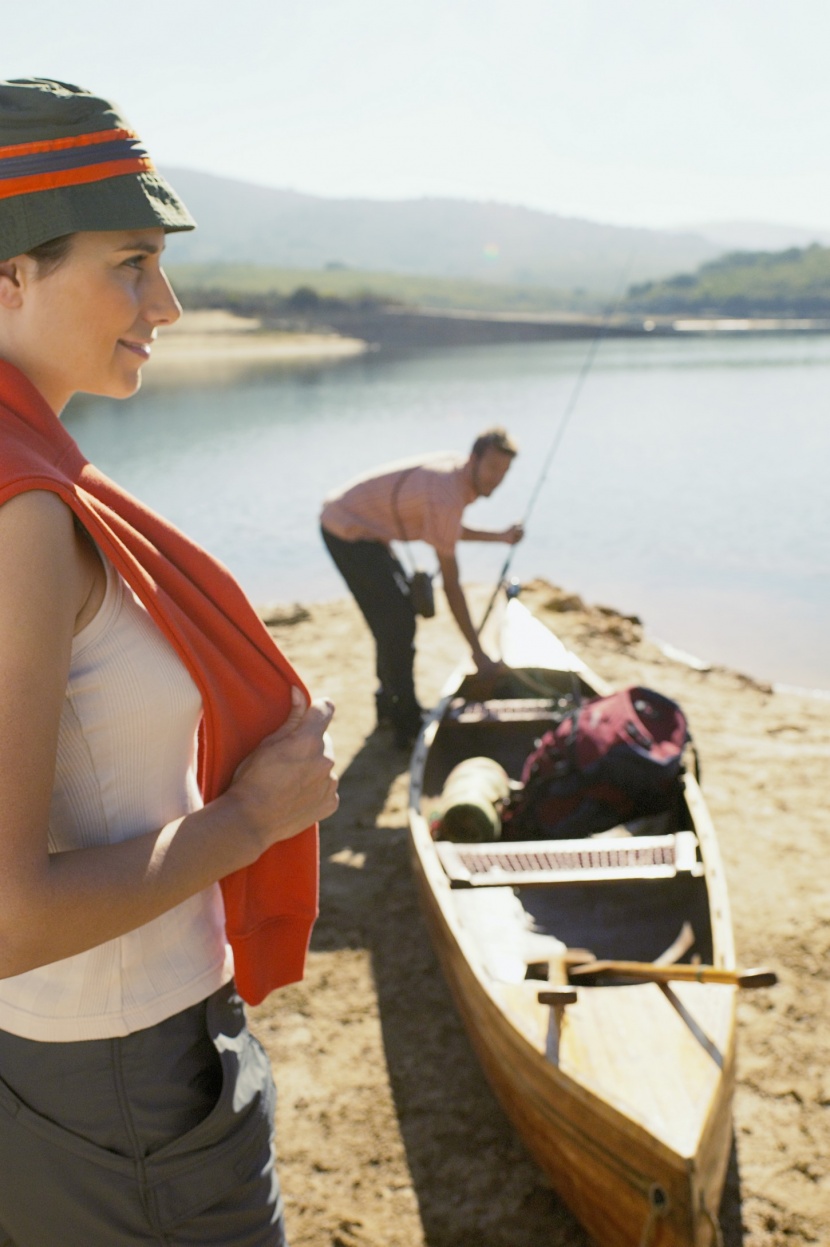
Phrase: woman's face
pixel 88 324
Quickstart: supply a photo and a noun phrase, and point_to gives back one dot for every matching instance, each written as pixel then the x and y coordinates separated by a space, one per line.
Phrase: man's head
pixel 493 452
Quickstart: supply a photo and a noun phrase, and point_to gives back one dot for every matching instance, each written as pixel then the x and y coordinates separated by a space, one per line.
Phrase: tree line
pixel 785 284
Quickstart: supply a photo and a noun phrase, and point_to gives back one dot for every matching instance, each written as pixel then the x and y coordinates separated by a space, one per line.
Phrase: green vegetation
pixel 781 284
pixel 793 283
pixel 281 291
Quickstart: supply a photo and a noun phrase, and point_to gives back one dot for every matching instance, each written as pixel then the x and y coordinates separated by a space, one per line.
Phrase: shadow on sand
pixel 475 1183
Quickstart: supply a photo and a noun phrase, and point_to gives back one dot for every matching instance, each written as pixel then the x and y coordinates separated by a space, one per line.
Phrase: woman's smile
pixel 140 348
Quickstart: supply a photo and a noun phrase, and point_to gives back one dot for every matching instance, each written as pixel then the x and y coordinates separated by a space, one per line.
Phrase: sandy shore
pixel 216 339
pixel 388 1134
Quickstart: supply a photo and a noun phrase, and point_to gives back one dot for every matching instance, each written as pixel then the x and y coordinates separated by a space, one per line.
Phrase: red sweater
pixel 243 678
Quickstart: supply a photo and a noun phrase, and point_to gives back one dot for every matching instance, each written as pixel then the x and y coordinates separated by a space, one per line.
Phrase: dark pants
pixel 163 1137
pixel 379 586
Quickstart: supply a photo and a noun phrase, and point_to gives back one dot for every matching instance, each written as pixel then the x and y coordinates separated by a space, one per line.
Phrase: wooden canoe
pixel 624 1095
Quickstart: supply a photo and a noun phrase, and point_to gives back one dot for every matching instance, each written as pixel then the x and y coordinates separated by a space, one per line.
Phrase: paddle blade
pixel 757 978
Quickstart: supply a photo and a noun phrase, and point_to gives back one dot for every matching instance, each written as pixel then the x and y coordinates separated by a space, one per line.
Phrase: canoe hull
pixel 623 1098
pixel 606 1173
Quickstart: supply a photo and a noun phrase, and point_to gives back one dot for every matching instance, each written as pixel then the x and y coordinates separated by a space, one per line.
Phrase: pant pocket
pixel 235 1142
pixel 58 1187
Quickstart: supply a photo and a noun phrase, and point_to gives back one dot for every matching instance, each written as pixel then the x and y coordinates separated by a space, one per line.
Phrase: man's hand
pixel 487 666
pixel 514 534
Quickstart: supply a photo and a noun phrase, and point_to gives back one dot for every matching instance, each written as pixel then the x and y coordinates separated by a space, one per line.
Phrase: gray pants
pixel 162 1137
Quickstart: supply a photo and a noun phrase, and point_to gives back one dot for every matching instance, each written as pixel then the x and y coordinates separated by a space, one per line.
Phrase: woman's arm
pixel 52 906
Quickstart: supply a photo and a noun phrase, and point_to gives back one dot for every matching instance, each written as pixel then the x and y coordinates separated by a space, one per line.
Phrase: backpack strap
pixel 394 501
pixel 403 538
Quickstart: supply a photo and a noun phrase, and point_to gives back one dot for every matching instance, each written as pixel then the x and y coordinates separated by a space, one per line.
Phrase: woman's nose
pixel 162 308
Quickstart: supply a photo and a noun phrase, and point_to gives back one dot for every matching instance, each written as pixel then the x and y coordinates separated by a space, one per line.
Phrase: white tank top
pixel 126 764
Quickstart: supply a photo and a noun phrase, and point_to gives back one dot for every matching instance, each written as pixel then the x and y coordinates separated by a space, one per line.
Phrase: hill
pixel 758 235
pixel 264 291
pixel 791 283
pixel 244 224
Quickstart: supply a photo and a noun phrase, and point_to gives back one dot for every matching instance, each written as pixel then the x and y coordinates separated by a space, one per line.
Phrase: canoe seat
pixel 540 863
pixel 506 710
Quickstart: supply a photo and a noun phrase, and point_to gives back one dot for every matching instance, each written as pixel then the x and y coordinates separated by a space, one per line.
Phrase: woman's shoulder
pixel 37 545
pixel 33 510
pixel 46 580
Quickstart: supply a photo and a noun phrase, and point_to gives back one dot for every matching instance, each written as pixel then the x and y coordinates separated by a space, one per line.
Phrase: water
pixel 690 486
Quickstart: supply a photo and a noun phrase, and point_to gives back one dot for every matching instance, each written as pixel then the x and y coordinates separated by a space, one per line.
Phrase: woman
pixel 135 1107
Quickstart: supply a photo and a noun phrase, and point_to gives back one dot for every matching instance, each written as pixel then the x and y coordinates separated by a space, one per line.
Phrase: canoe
pixel 621 1088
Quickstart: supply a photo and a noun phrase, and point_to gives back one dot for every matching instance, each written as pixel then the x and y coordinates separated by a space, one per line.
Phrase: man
pixel 416 500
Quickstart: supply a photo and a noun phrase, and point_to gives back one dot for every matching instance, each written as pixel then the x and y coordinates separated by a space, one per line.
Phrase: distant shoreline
pixel 403 327
pixel 219 338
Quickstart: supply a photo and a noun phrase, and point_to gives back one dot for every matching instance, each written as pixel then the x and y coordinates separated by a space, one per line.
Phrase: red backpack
pixel 610 760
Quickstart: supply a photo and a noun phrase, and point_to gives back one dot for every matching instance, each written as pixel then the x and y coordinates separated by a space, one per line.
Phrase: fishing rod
pixel 582 376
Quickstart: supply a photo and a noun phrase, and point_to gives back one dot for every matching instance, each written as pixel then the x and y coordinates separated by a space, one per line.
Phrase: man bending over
pixel 419 499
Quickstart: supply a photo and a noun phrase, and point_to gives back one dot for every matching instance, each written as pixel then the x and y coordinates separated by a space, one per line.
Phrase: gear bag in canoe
pixel 609 760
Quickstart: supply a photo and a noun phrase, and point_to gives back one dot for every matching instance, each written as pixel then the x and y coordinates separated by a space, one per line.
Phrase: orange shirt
pixel 244 680
pixel 412 500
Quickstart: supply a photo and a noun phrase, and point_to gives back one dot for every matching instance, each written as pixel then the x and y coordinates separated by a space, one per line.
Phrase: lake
pixel 689 487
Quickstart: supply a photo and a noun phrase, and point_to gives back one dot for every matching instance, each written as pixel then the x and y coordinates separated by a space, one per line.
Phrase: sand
pixel 388 1133
pixel 212 341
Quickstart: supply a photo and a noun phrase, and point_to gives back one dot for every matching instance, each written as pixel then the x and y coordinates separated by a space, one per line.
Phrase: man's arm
pixel 511 536
pixel 461 612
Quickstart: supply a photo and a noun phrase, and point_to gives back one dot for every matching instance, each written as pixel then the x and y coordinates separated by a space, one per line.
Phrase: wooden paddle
pixel 653 973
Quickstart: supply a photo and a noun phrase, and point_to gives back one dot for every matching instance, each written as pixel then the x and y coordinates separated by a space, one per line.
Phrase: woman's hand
pixel 54 905
pixel 288 782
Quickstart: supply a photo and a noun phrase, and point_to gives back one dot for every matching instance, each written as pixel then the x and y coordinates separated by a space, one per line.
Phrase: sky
pixel 661 113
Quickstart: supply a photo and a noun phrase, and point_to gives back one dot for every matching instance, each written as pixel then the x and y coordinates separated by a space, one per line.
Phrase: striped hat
pixel 69 162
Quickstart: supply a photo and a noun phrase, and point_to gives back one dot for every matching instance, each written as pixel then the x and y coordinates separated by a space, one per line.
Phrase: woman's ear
pixel 11 287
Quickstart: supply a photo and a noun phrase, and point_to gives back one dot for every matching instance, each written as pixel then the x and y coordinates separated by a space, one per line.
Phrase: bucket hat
pixel 69 162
